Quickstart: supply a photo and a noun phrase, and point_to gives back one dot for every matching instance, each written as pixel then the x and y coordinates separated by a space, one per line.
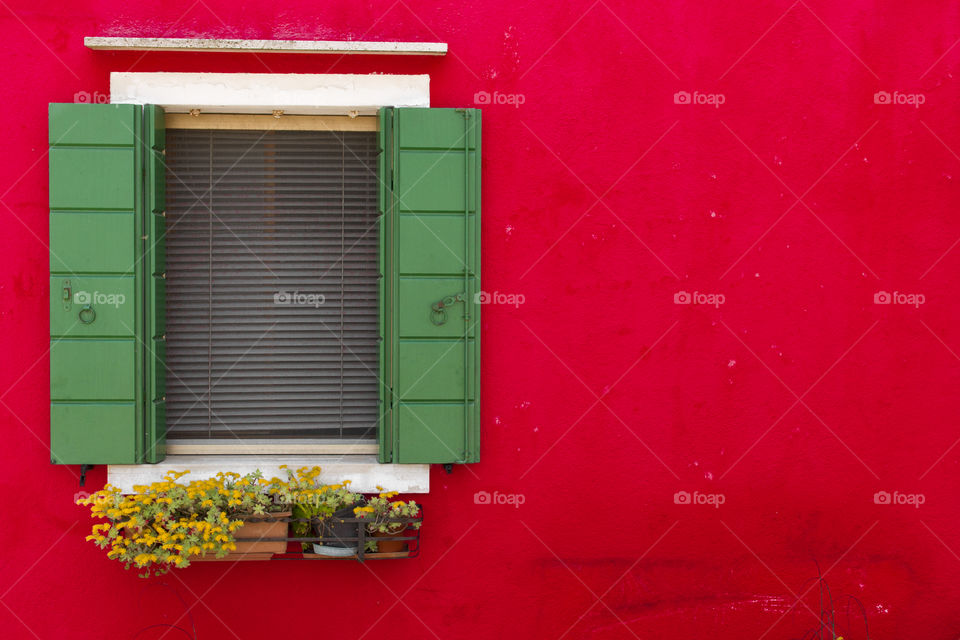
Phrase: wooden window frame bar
pixel 263 122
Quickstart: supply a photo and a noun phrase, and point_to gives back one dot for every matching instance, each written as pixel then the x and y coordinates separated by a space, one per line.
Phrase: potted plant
pixel 322 509
pixel 265 521
pixel 170 524
pixel 382 514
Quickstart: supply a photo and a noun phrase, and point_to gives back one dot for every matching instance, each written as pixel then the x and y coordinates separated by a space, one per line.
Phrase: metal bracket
pixel 83 472
pixel 67 296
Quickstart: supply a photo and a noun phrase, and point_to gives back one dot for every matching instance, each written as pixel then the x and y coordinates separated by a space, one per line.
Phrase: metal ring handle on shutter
pixel 439 308
pixel 87 314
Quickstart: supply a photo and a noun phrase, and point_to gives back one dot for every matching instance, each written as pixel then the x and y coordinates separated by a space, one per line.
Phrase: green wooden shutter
pixel 105 168
pixel 430 255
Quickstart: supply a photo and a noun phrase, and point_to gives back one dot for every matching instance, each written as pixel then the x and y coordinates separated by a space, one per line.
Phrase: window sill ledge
pixel 364 471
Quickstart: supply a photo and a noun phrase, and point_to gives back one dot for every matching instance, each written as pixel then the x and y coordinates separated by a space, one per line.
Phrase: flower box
pixel 409 537
pixel 169 524
pixel 260 537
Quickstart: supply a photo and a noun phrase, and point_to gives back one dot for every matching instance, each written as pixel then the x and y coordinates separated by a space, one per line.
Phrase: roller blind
pixel 271 313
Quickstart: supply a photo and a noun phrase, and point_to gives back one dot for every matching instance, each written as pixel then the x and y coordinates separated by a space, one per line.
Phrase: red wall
pixel 796 400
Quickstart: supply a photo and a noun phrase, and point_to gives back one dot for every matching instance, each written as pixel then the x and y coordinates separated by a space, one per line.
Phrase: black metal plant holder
pixel 413 541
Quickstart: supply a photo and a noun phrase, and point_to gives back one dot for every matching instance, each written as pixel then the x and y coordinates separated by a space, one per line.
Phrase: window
pixel 117 279
pixel 271 306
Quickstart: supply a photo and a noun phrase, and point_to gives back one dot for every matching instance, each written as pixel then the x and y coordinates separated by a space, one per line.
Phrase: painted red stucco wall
pixel 782 184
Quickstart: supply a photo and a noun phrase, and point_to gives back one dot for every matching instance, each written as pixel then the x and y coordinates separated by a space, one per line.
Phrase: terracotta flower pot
pixel 250 542
pixel 386 542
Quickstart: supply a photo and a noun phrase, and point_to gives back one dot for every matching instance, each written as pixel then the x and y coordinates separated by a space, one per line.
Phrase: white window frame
pixel 277 94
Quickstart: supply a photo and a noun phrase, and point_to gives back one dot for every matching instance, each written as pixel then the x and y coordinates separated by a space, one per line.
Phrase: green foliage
pixel 380 510
pixel 310 501
pixel 167 523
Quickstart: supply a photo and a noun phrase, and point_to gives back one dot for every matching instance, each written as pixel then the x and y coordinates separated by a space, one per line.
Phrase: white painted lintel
pixel 291 93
